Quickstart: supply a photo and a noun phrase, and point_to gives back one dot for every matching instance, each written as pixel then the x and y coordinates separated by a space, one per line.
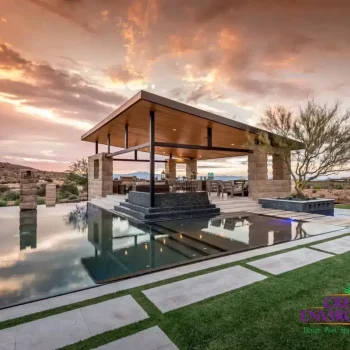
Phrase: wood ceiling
pixel 171 126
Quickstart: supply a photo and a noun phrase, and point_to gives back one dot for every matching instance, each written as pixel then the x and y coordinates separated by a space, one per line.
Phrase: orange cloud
pixel 226 40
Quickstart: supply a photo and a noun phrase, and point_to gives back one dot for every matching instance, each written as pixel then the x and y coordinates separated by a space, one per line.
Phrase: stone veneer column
pixel 191 166
pixel 28 190
pixel 100 176
pixel 257 173
pixel 50 198
pixel 279 168
pixel 170 169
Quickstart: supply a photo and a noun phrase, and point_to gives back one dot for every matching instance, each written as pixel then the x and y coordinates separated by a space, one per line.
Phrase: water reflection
pixel 51 251
pixel 27 229
pixel 78 218
pixel 122 247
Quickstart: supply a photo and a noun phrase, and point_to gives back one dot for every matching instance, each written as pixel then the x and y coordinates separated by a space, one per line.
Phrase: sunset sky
pixel 67 64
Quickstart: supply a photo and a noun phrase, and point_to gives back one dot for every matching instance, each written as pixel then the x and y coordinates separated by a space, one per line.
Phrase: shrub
pixel 317 187
pixel 10 195
pixel 322 195
pixel 69 188
pixel 314 191
pixel 48 179
pixel 40 200
pixel 4 188
pixel 17 202
pixel 72 196
pixel 41 190
pixel 3 203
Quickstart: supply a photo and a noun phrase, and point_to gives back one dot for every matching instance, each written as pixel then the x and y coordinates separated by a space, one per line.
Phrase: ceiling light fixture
pixel 174 129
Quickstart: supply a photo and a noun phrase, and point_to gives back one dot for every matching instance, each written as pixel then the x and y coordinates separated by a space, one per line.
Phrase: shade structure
pixel 176 124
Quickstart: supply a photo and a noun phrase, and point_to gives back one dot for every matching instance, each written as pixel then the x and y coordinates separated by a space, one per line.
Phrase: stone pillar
pixel 191 166
pixel 100 176
pixel 28 190
pixel 50 198
pixel 257 166
pixel 279 168
pixel 257 173
pixel 170 169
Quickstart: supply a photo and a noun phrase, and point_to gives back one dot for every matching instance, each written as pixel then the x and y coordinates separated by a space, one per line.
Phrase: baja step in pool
pixel 52 251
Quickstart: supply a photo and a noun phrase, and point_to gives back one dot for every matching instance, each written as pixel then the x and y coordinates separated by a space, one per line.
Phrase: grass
pixel 342 206
pixel 264 315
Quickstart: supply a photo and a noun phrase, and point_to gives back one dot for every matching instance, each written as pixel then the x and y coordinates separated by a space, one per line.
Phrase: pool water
pixel 69 247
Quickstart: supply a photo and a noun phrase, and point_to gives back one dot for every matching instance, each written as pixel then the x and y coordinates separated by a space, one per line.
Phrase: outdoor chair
pixel 213 186
pixel 177 186
pixel 194 186
pixel 227 187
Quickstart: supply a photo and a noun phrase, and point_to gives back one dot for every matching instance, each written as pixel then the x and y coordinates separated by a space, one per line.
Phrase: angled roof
pixel 175 122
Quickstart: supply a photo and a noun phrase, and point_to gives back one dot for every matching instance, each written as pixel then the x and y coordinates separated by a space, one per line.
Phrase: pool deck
pixel 237 204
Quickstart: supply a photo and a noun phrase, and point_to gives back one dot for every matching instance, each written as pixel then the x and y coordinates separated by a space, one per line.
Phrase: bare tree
pixel 78 173
pixel 325 133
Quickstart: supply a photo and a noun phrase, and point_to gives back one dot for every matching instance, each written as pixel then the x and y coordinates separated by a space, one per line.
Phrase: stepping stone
pixel 281 263
pixel 150 339
pixel 70 327
pixel 178 294
pixel 337 246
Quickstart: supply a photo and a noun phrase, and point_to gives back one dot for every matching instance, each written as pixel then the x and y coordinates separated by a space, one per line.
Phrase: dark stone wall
pixel 164 200
pixel 320 206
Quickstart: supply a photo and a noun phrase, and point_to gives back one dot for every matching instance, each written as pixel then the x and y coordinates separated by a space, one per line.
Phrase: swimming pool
pixel 70 247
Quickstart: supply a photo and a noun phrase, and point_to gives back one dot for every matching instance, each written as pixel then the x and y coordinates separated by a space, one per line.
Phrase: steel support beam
pixel 126 138
pixel 127 150
pixel 151 161
pixel 135 155
pixel 96 146
pixel 109 143
pixel 137 160
pixel 199 147
pixel 210 137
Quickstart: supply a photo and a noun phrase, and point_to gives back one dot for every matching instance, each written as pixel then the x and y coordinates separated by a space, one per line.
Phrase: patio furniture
pixel 128 181
pixel 116 183
pixel 213 186
pixel 122 189
pixel 233 187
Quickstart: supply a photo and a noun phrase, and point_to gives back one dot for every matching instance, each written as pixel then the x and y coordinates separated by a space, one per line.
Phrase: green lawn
pixel 342 206
pixel 264 315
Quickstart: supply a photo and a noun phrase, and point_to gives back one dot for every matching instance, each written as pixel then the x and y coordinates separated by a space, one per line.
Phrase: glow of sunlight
pixel 43 113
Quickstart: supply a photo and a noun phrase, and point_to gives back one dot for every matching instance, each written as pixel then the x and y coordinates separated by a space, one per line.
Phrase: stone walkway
pixel 67 328
pixel 150 339
pixel 182 293
pixel 336 246
pixel 284 262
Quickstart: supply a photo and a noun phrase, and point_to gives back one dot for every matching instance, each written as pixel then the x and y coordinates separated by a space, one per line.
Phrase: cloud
pixel 66 12
pixel 212 9
pixel 55 95
pixel 124 75
pixel 31 160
